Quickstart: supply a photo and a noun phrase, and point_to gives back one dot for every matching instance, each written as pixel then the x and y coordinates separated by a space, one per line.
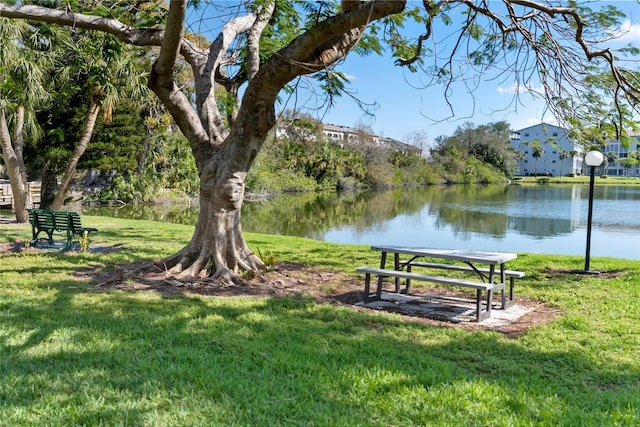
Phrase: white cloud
pixel 627 33
pixel 530 121
pixel 518 88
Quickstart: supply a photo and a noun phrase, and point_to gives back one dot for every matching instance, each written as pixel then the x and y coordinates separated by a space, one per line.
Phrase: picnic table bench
pixel 49 221
pixel 492 278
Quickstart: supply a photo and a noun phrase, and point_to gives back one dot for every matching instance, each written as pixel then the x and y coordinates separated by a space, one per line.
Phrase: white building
pixel 345 135
pixel 559 155
pixel 619 156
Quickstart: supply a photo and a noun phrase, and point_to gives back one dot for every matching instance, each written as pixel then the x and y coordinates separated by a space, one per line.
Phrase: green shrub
pixel 379 176
pixel 135 188
pixel 261 180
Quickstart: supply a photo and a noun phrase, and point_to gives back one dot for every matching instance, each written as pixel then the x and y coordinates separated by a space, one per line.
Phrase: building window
pixel 554 152
pixel 553 161
pixel 555 134
pixel 526 161
pixel 526 134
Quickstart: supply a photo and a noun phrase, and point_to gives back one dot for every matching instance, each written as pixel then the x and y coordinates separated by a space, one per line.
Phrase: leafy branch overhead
pixel 559 49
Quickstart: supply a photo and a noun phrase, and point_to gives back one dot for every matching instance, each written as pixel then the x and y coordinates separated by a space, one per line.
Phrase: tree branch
pixel 253 40
pixel 123 32
pixel 432 10
pixel 162 83
pixel 171 42
pixel 208 71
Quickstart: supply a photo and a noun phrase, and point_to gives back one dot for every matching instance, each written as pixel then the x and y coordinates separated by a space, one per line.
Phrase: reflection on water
pixel 546 219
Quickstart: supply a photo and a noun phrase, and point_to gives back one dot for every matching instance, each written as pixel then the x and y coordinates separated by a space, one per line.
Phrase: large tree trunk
pixel 217 246
pixel 49 184
pixel 87 131
pixel 14 162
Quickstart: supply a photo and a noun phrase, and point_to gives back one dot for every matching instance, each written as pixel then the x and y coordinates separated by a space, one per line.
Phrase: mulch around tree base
pixel 292 280
pixel 299 281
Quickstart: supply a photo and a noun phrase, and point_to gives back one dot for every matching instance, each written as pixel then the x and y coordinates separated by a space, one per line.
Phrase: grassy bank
pixel 599 180
pixel 74 354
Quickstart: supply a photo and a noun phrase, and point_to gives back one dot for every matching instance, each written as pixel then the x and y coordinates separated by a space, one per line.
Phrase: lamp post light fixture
pixel 593 159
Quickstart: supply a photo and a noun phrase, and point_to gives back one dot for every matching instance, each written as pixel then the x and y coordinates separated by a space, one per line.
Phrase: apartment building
pixel 345 136
pixel 621 160
pixel 547 150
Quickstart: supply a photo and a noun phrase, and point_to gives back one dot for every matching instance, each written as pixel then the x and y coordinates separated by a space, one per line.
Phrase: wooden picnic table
pixel 490 267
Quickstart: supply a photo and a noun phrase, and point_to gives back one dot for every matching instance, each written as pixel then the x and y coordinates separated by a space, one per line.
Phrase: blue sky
pixel 402 108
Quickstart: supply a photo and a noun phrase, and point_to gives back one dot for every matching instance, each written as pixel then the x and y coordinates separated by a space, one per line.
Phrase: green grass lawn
pixel 73 354
pixel 599 180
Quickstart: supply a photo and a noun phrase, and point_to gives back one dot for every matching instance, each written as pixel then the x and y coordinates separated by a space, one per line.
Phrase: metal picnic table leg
pixel 480 313
pixel 367 283
pixel 396 266
pixel 504 291
pixel 383 263
pixel 511 301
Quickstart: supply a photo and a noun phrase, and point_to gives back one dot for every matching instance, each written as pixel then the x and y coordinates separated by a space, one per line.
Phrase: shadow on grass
pixel 80 357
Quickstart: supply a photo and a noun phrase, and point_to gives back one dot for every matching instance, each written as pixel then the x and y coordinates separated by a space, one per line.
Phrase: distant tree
pixel 562 155
pixel 419 139
pixel 299 127
pixel 632 159
pixel 374 153
pixel 117 144
pixel 110 73
pixel 26 65
pixel 537 151
pixel 487 143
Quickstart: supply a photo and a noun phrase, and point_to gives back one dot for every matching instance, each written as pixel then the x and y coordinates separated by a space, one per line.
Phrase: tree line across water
pixel 135 155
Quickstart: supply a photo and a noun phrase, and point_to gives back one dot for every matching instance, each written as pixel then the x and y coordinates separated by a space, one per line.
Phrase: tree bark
pixel 217 246
pixel 49 184
pixel 87 132
pixel 14 162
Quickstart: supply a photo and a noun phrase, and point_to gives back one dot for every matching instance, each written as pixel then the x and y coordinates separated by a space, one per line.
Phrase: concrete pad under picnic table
pixel 457 311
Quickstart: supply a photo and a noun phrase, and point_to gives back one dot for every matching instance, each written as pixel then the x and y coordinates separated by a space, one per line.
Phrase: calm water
pixel 515 219
pixel 542 219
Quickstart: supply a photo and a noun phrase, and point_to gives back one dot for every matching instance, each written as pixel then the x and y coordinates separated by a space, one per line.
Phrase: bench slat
pixel 453 267
pixel 76 224
pixel 434 279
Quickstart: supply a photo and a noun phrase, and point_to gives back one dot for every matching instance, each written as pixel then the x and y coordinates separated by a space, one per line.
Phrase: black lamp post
pixel 593 159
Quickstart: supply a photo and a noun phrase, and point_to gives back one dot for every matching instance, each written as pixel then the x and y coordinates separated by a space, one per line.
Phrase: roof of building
pixel 543 124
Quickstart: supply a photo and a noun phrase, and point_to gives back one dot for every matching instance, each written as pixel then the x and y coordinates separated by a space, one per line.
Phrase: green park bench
pixel 48 221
